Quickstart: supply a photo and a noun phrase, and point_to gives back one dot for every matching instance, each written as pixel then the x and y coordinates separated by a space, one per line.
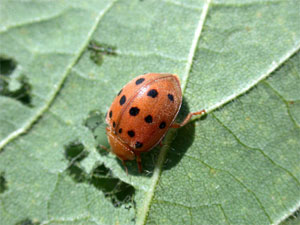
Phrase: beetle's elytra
pixel 141 114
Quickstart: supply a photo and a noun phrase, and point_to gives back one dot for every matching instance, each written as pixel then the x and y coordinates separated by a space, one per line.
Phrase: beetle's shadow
pixel 182 140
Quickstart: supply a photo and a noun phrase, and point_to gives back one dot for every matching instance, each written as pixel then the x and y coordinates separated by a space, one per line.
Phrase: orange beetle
pixel 142 113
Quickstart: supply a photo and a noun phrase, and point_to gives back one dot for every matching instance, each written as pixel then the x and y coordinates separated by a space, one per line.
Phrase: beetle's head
pixel 120 149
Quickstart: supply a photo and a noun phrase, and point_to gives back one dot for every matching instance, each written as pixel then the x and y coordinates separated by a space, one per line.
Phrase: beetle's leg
pixel 161 144
pixel 139 161
pixel 187 119
pixel 125 167
pixel 105 148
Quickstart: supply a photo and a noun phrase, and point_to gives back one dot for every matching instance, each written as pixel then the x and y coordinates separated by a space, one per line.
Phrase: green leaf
pixel 62 63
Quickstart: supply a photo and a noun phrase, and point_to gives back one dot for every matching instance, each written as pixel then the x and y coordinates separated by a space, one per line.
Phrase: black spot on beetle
pixel 122 100
pixel 171 97
pixel 138 144
pixel 114 124
pixel 162 125
pixel 120 92
pixel 152 93
pixel 139 81
pixel 110 114
pixel 120 130
pixel 148 119
pixel 134 111
pixel 131 133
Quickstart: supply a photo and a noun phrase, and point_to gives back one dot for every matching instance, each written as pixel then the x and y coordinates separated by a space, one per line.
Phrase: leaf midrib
pixel 142 217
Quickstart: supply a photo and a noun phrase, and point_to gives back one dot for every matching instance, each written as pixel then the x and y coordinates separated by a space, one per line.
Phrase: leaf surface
pixel 239 60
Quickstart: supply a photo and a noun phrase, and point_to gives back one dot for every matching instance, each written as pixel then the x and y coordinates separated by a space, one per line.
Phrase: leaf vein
pixel 224 214
pixel 50 195
pixel 194 44
pixel 238 181
pixel 257 149
pixel 286 102
pixel 145 54
pixel 174 2
pixel 271 69
pixel 31 22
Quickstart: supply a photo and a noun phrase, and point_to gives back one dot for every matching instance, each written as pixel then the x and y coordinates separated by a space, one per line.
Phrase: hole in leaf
pixel 28 222
pixel 117 191
pixel 113 188
pixel 7 66
pixel 94 120
pixel 75 153
pixel 77 173
pixel 23 92
pixel 98 50
pixel 95 123
pixel 3 183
